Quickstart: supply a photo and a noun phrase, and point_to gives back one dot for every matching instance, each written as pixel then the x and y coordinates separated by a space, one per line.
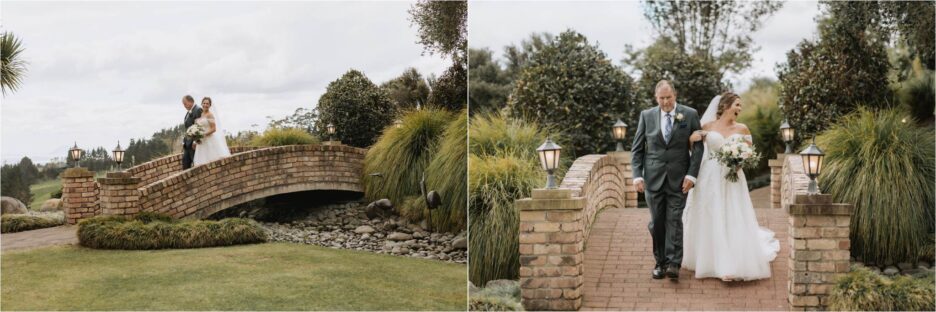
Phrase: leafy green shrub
pixel 504 167
pixel 572 86
pixel 450 91
pixel 22 222
pixel 402 154
pixel 56 193
pixel 918 95
pixel 886 168
pixel 447 174
pixel 864 290
pixel 283 136
pixel 156 231
pixel 499 297
pixel 357 107
pixel 762 116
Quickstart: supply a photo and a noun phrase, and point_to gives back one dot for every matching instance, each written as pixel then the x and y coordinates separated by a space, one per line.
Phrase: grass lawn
pixel 42 191
pixel 274 276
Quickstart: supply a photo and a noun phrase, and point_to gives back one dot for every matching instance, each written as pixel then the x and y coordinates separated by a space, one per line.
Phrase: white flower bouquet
pixel 196 132
pixel 736 154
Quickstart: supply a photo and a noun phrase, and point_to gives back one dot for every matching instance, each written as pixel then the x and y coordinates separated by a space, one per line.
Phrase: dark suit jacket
pixel 189 121
pixel 659 163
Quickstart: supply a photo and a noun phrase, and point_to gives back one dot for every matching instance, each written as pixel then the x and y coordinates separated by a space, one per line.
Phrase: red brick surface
pixel 619 259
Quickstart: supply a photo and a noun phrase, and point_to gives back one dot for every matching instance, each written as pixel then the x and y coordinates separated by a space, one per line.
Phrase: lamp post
pixel 812 164
pixel 786 133
pixel 549 159
pixel 398 123
pixel 118 155
pixel 331 131
pixel 75 154
pixel 619 130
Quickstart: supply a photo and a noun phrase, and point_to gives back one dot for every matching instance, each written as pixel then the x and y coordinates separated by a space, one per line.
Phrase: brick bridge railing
pixel 200 191
pixel 554 225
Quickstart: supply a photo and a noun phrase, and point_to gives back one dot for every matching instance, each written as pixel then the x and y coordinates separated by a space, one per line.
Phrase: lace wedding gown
pixel 721 236
pixel 212 147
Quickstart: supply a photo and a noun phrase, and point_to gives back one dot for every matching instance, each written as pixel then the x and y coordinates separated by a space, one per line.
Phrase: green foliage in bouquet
pixel 357 107
pixel 864 290
pixel 571 85
pixel 283 136
pixel 401 155
pixel 21 222
pixel 504 167
pixel 886 168
pixel 149 230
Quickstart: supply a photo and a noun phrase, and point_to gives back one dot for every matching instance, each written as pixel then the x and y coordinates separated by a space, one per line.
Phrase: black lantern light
pixel 331 131
pixel 619 130
pixel 812 164
pixel 75 154
pixel 118 155
pixel 549 159
pixel 786 133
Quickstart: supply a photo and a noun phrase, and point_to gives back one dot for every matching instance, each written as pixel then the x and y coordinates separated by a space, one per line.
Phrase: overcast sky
pixel 615 24
pixel 106 71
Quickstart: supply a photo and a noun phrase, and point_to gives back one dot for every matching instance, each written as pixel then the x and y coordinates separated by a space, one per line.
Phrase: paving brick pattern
pixel 618 261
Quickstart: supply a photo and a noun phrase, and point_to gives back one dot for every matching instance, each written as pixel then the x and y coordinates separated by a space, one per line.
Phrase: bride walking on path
pixel 212 146
pixel 722 237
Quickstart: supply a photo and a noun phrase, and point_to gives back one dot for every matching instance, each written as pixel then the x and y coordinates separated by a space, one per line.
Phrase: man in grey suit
pixel 188 146
pixel 665 172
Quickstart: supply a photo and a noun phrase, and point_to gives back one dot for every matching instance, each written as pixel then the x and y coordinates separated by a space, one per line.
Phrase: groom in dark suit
pixel 188 146
pixel 665 172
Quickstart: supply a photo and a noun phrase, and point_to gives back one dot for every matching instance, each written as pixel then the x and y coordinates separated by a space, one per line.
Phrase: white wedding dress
pixel 213 146
pixel 721 237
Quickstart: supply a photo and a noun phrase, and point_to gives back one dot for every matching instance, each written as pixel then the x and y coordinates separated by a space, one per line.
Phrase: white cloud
pixel 107 71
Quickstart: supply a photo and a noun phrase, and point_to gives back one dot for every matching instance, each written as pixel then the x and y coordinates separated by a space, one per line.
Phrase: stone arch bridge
pixel 249 173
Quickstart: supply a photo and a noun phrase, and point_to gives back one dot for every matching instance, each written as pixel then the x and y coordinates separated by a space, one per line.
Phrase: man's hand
pixel 687 185
pixel 639 185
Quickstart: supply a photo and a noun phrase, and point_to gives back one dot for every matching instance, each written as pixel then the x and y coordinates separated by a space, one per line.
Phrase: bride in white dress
pixel 213 146
pixel 721 236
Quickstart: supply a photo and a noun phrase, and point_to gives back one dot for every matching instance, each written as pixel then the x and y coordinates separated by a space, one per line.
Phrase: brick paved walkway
pixel 59 235
pixel 618 261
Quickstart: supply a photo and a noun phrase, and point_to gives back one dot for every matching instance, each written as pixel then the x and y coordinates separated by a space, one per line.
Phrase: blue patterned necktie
pixel 669 127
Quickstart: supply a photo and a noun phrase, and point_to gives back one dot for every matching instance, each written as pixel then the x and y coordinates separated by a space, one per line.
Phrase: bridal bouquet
pixel 736 153
pixel 196 132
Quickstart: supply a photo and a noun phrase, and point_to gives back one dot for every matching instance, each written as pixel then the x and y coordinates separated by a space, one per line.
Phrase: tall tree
pixel 407 90
pixel 442 27
pixel 696 78
pixel 28 170
pixel 13 184
pixel 518 55
pixel 450 91
pixel 488 84
pixel 717 30
pixel 357 107
pixel 12 65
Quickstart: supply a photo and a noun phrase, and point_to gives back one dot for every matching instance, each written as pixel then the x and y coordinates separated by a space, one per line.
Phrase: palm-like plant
pixel 13 66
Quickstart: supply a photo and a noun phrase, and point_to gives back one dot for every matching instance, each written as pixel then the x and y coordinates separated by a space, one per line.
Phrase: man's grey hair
pixel 662 83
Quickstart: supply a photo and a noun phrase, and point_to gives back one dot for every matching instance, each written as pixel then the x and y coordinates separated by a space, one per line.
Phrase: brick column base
pixel 551 250
pixel 819 232
pixel 119 194
pixel 79 194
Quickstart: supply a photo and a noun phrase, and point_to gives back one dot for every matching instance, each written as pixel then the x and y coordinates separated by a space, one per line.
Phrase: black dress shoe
pixel 672 272
pixel 658 272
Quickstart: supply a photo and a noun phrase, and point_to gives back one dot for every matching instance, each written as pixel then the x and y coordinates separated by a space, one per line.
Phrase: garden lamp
pixel 619 130
pixel 812 164
pixel 118 155
pixel 75 154
pixel 549 159
pixel 398 123
pixel 786 133
pixel 331 131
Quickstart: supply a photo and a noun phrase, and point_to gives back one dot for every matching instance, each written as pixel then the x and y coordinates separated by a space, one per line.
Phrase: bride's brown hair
pixel 725 102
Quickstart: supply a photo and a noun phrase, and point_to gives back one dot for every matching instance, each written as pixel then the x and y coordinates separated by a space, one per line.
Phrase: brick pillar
pixel 552 245
pixel 119 194
pixel 776 171
pixel 79 194
pixel 630 193
pixel 820 256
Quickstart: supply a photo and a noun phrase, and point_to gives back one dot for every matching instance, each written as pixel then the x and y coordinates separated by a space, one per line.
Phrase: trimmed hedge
pixel 149 230
pixel 22 222
pixel 864 290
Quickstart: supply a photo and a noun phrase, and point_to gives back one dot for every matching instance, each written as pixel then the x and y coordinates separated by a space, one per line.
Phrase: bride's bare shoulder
pixel 707 126
pixel 742 128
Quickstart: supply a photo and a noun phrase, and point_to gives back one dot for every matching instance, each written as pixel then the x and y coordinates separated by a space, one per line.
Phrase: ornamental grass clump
pixel 886 168
pixel 447 174
pixel 394 166
pixel 864 290
pixel 23 222
pixel 283 136
pixel 149 230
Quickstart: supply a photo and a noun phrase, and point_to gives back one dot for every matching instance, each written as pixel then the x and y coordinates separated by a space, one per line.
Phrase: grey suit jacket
pixel 659 163
pixel 188 122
